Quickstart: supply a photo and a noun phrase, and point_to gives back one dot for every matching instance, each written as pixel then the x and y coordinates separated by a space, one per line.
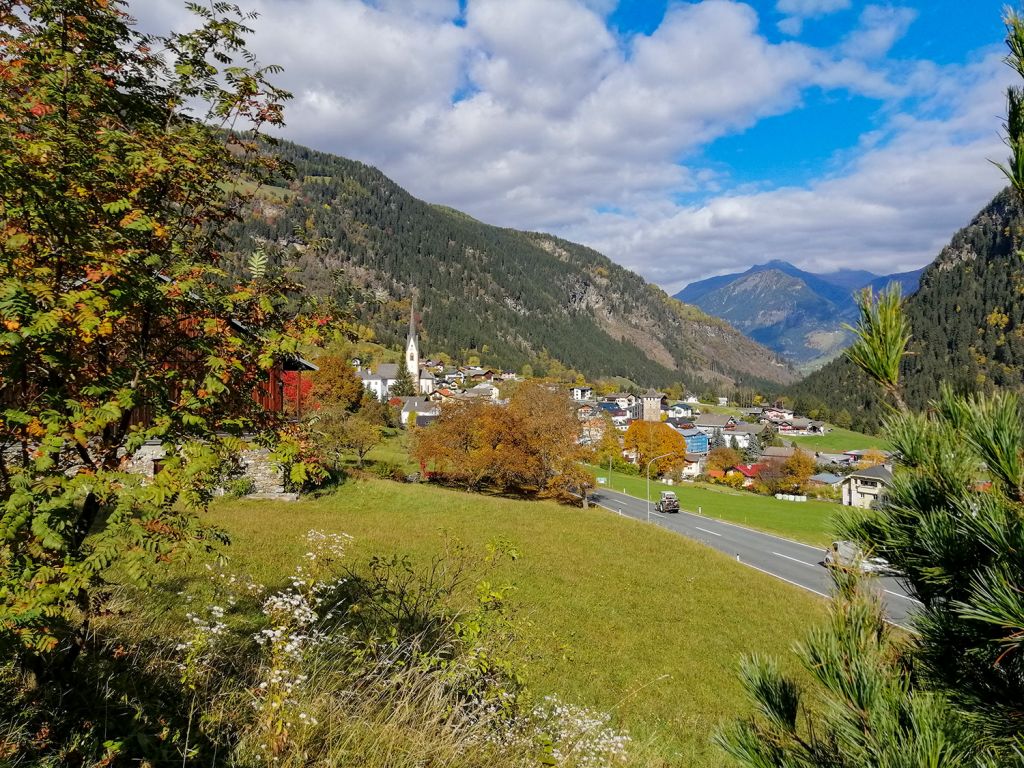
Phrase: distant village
pixel 855 477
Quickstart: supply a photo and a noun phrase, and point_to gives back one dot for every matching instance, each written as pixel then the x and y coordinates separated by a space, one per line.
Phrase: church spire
pixel 412 347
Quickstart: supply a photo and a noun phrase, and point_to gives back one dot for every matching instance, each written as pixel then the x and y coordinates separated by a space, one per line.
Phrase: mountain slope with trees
pixel 510 298
pixel 798 314
pixel 967 324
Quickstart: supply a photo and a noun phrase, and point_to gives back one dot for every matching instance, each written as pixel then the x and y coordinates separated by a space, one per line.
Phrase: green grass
pixel 808 521
pixel 838 440
pixel 394 449
pixel 612 613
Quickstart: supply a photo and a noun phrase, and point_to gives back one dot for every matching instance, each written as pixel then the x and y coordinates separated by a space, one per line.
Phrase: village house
pixel 741 434
pixel 697 442
pixel 709 422
pixel 626 401
pixel 680 410
pixel 864 487
pixel 776 455
pixel 414 407
pixel 825 480
pixel 693 467
pixel 749 472
pixel 581 393
pixel 775 414
pixel 484 390
pixel 798 426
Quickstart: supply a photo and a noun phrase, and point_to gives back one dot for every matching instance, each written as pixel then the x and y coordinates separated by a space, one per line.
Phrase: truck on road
pixel 667 503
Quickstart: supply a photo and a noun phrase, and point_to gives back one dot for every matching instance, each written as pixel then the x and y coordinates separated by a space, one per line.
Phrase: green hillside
pixel 612 613
pixel 967 320
pixel 509 297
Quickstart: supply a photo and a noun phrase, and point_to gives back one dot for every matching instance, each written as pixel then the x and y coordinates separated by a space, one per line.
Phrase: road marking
pixel 706 530
pixel 788 581
pixel 734 525
pixel 802 562
pixel 905 597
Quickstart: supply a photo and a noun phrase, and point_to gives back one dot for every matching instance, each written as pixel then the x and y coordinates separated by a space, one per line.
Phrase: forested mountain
pixel 798 314
pixel 967 320
pixel 509 297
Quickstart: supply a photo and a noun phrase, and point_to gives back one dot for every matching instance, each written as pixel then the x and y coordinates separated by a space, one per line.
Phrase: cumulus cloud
pixel 535 114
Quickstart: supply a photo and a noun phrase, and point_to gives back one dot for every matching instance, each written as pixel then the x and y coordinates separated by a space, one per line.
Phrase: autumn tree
pixel 871 458
pixel 797 469
pixel 336 383
pixel 529 446
pixel 649 439
pixel 724 458
pixel 120 323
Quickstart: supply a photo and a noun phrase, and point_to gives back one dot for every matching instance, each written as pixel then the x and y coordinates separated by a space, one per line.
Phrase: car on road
pixel 667 503
pixel 846 554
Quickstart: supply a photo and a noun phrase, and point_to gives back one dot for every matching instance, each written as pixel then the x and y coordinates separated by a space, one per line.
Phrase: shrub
pixel 387 470
pixel 241 486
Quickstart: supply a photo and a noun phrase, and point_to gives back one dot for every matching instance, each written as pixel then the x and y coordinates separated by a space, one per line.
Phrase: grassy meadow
pixel 807 521
pixel 610 613
pixel 838 440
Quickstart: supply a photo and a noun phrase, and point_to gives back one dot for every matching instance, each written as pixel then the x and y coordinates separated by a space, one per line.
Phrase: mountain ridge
pixel 801 317
pixel 509 297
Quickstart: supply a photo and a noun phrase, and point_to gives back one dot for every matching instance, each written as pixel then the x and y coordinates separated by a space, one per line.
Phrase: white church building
pixel 380 381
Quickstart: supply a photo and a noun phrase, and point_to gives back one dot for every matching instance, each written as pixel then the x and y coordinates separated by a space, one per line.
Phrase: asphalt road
pixel 793 562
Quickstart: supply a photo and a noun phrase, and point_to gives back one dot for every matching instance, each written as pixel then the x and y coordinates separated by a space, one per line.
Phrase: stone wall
pixel 256 464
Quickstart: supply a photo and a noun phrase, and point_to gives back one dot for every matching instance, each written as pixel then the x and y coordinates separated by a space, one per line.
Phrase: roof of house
pixel 425 419
pixel 691 433
pixel 748 429
pixel 679 423
pixel 418 404
pixel 773 452
pixel 387 371
pixel 425 374
pixel 619 395
pixel 826 478
pixel 879 472
pixel 654 393
pixel 694 458
pixel 834 458
pixel 714 420
pixel 749 470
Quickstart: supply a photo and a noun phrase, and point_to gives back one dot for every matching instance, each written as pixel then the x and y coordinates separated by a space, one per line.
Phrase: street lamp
pixel 672 453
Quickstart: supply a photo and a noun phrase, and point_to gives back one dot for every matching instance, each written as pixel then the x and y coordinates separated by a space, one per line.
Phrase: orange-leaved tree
pixel 650 439
pixel 531 445
pixel 119 323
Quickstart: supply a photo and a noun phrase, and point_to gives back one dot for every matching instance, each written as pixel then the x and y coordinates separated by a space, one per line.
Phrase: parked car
pixel 667 503
pixel 846 554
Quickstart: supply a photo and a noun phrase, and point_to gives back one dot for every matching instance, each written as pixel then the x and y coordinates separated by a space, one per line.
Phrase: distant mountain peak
pixel 800 317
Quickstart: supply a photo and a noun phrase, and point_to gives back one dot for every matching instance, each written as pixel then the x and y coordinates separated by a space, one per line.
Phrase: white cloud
pixel 534 114
pixel 891 209
pixel 878 30
pixel 797 11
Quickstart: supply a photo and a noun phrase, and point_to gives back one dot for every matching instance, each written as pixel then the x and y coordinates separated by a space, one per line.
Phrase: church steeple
pixel 412 347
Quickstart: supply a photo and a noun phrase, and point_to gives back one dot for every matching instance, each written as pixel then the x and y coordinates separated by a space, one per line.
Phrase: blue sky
pixel 683 139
